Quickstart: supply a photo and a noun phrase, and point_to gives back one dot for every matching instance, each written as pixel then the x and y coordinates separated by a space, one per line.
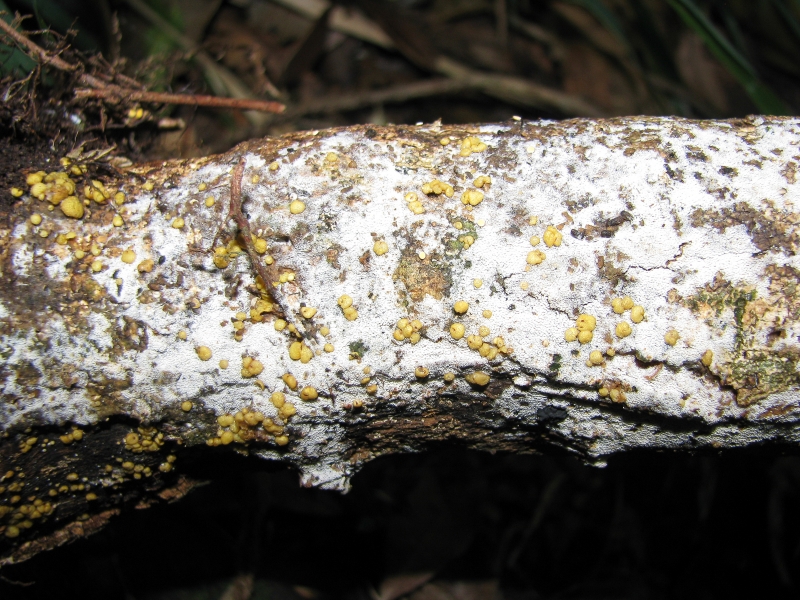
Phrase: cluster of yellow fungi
pixel 471 144
pixel 58 189
pixel 345 302
pixel 243 426
pixel 407 330
pixel 144 439
pixel 620 306
pixel 437 187
pixel 583 331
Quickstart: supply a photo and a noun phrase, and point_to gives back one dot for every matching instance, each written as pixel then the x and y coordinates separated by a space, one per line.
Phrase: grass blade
pixel 763 97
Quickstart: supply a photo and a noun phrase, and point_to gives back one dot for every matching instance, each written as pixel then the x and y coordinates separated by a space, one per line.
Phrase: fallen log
pixel 324 298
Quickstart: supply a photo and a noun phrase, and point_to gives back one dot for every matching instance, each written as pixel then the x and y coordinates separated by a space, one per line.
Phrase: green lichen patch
pixel 758 366
pixel 357 349
pixel 755 374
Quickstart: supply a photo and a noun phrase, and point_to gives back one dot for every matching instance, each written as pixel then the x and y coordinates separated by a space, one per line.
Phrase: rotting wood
pixel 138 336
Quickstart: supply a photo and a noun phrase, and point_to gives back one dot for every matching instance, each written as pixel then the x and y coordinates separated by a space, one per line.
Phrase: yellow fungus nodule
pixel 571 334
pixel 672 337
pixel 627 303
pixel 296 207
pixel 478 378
pixel 178 223
pixel 96 266
pixel 308 393
pixel 584 337
pixel 461 307
pixel 259 245
pixel 128 256
pixel 186 406
pixel 308 312
pixel 117 221
pixel 36 219
pixel 552 236
pixel 209 202
pixel 596 357
pixel 585 322
pixel 223 364
pixel 344 301
pixel 380 247
pixel 421 372
pixel 203 352
pixel 617 306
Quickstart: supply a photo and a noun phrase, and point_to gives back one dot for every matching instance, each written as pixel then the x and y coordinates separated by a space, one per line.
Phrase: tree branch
pixel 627 283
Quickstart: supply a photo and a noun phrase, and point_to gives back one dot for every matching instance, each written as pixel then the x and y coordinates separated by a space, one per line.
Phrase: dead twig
pixel 116 94
pixel 94 87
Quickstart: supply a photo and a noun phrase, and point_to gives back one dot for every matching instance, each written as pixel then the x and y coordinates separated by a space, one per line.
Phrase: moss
pixel 357 349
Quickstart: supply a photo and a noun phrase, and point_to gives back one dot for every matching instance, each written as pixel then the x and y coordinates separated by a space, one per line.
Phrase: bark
pixel 106 392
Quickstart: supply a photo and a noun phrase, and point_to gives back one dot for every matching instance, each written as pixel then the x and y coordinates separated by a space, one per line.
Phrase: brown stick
pixel 116 94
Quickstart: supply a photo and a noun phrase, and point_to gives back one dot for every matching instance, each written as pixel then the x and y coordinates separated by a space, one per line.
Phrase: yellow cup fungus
pixel 461 307
pixel 308 393
pixel 672 337
pixel 186 406
pixel 623 329
pixel 210 202
pixel 449 377
pixel 487 314
pixel 128 256
pixel 223 364
pixel 72 207
pixel 477 283
pixel 36 219
pixel 259 245
pixel 584 337
pixel 421 372
pixel 478 378
pixel 289 380
pixel 474 342
pixel 146 266
pixel 296 207
pixel 552 236
pixel 380 247
pixel 308 312
pixel 203 352
pixel 535 257
pixel 328 348
pixel 534 240
pixel 96 266
pixel 274 165
pixel 117 221
pixel 482 180
pixel 637 314
pixel 457 331
pixel 178 223
pixel 472 197
pixel 707 357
